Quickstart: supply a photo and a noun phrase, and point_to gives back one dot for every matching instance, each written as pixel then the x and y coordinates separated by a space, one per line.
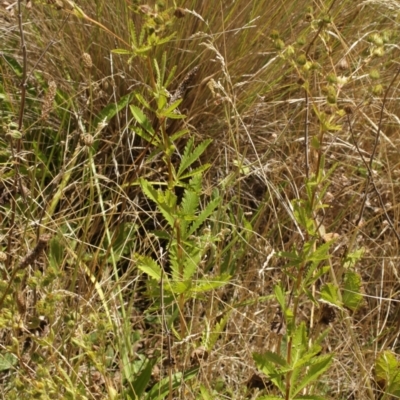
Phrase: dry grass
pixel 81 318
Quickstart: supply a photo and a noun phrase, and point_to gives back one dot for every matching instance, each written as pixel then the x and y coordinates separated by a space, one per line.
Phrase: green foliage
pixel 188 241
pixel 387 373
pixel 301 371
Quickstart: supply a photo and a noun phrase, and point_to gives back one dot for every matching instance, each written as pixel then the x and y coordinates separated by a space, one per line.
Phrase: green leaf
pixel 280 296
pixel 318 366
pixel 203 286
pixel 180 287
pixel 179 134
pixel 301 213
pixel 352 297
pixel 330 295
pixel 212 334
pixel 141 119
pixel 321 253
pixel 196 171
pixel 161 102
pixel 112 109
pixel 7 361
pixel 153 139
pixel 121 51
pixel 161 389
pixel 191 154
pixel 210 207
pixel 299 343
pixel 164 202
pixel 172 115
pixel 150 267
pixel 142 101
pixel 267 367
pixel 269 397
pixel 353 258
pixel 158 74
pixel 271 357
pixel 387 371
pixel 170 76
pixel 205 394
pixel 190 203
pixel 311 276
pixel 172 107
pixel 138 386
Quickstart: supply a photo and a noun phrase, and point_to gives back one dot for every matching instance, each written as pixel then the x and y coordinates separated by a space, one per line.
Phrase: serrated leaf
pixel 158 74
pixel 212 334
pixel 280 296
pixel 121 51
pixel 318 366
pixel 211 206
pixel 141 119
pixel 268 368
pixel 170 76
pixel 196 171
pixel 299 343
pixel 351 296
pixel 179 134
pixel 172 107
pixel 161 103
pixel 191 154
pixel 189 206
pixel 149 267
pixel 203 286
pixel 330 295
pixel 142 101
pixel 160 199
pixel 112 109
pixel 321 253
pixel 269 357
pixel 386 367
pixel 180 287
pixel 312 276
pixel 7 361
pixel 173 115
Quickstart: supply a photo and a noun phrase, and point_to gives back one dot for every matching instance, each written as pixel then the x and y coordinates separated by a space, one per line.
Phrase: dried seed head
pixel 179 12
pixel 87 60
pixel 309 17
pixel 3 256
pixel 183 86
pixel 343 64
pixel 21 303
pixel 105 85
pixel 88 140
pixel 348 110
pixel 48 100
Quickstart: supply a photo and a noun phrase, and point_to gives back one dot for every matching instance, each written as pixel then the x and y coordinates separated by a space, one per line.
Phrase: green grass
pixel 199 250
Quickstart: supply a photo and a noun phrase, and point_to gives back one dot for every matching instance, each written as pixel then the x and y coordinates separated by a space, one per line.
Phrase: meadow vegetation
pixel 199 199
